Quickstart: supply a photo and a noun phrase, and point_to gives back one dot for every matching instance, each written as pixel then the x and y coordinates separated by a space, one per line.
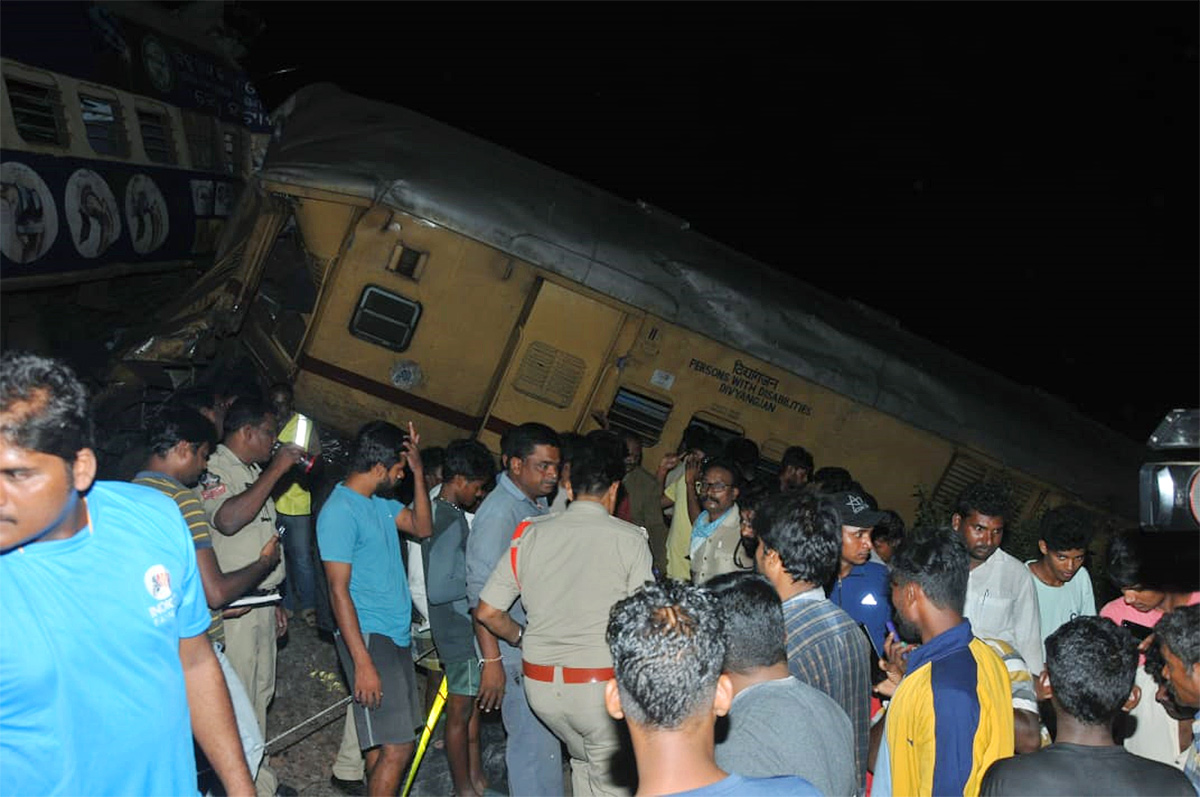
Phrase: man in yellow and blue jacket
pixel 951 716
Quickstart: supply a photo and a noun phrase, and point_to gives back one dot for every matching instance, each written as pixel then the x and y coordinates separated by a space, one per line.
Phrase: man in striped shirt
pixel 799 541
pixel 179 441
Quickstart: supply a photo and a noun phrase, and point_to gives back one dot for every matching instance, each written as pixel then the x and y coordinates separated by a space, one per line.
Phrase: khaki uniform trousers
pixel 576 714
pixel 250 648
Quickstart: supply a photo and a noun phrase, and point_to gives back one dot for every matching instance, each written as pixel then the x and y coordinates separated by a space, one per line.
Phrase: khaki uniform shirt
pixel 645 509
pixel 229 476
pixel 716 554
pixel 570 569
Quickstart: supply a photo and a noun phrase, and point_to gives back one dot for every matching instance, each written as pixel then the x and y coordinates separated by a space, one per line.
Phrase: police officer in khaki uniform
pixel 717 533
pixel 569 569
pixel 236 494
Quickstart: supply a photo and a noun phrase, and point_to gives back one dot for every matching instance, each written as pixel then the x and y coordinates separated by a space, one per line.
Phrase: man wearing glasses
pixel 717 534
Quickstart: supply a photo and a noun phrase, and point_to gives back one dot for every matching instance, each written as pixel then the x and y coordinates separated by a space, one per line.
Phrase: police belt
pixel 570 675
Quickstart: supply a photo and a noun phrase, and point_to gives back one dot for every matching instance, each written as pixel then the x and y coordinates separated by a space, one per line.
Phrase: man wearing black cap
pixel 861 587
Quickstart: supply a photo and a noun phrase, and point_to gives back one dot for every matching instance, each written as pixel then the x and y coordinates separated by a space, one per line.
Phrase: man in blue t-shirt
pixel 668 646
pixel 106 671
pixel 368 591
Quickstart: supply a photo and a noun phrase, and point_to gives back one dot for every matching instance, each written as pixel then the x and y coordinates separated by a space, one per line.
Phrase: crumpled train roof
pixel 637 254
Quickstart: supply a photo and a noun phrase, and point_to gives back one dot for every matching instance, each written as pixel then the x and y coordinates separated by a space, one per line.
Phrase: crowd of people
pixel 703 629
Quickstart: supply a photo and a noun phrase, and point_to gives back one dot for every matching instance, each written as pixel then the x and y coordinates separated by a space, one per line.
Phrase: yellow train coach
pixel 397 268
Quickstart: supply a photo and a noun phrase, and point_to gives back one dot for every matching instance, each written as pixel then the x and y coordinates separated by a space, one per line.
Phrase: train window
pixel 965 470
pixel 408 262
pixel 105 128
pixel 155 127
pixel 385 318
pixel 37 111
pixel 723 431
pixel 200 131
pixel 549 374
pixel 638 413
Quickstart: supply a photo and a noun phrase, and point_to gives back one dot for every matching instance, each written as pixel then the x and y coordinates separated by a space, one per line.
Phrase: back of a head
pixel 433 457
pixel 696 437
pixel 1066 528
pixel 469 459
pixel 43 406
pixel 1179 630
pixel 936 560
pixel 520 441
pixel 803 528
pixel 797 457
pixel 832 479
pixel 743 453
pixel 173 424
pixel 754 493
pixel 890 529
pixel 753 617
pixel 986 498
pixel 668 648
pixel 377 443
pixel 245 411
pixel 1091 662
pixel 597 461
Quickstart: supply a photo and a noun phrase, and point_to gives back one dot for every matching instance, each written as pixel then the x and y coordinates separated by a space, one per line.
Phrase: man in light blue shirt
pixel 533 754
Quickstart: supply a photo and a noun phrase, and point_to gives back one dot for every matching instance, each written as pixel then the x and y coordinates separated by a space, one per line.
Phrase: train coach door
pixel 562 350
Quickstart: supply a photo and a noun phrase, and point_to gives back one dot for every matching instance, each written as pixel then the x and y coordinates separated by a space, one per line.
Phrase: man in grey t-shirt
pixel 777 725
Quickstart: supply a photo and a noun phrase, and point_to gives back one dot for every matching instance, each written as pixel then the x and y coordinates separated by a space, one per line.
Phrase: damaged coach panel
pixel 412 271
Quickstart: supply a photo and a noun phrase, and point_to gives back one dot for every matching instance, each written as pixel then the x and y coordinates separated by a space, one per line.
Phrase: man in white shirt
pixel 1001 599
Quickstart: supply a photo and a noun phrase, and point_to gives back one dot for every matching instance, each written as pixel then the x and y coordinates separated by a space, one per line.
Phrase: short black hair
pixel 596 463
pixel 173 424
pixel 245 411
pixel 891 529
pixel 936 560
pixel 1179 630
pixel 520 441
pixel 742 452
pixel 803 528
pixel 797 457
pixel 1127 561
pixel 754 493
pixel 832 479
pixel 1092 662
pixel 45 406
pixel 986 498
pixel 567 443
pixel 467 458
pixel 377 443
pixel 736 475
pixel 1066 528
pixel 696 437
pixel 755 635
pixel 434 457
pixel 196 397
pixel 668 647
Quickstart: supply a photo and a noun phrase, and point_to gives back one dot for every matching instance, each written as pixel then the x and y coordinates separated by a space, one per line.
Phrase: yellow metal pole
pixel 431 722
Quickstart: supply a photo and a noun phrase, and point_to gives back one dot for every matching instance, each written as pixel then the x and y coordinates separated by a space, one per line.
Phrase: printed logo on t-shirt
pixel 869 600
pixel 158 584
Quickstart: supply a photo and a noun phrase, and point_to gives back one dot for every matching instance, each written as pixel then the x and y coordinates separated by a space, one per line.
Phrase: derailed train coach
pixel 397 268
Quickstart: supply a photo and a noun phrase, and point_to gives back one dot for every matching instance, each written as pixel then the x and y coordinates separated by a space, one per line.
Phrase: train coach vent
pixel 640 414
pixel 550 375
pixel 37 111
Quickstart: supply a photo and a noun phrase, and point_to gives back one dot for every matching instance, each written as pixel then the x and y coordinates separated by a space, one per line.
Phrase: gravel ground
pixel 308 681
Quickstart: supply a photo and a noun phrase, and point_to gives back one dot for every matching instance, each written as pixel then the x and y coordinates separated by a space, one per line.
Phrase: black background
pixel 1016 181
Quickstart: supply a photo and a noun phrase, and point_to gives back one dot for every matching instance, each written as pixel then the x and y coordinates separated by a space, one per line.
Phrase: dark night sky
pixel 1016 181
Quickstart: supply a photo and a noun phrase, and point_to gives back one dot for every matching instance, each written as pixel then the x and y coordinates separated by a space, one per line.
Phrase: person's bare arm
pixel 665 466
pixel 492 680
pixel 1028 729
pixel 418 521
pixel 367 687
pixel 240 509
pixel 499 622
pixel 690 474
pixel 223 588
pixel 213 723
